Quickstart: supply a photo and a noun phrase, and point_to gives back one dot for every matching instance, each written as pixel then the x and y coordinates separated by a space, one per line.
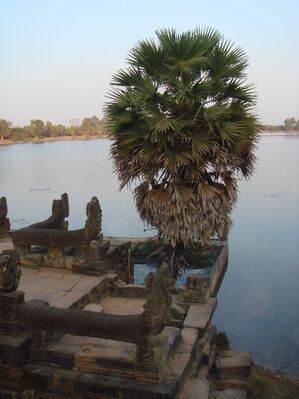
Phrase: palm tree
pixel 182 126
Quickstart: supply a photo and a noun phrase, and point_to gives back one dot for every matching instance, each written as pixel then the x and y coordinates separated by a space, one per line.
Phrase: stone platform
pixel 178 362
pixel 60 288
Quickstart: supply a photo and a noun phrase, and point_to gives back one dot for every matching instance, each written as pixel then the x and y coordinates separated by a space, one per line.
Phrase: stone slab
pixel 233 365
pixel 242 384
pixel 200 315
pixel 181 362
pixel 61 288
pixel 229 394
pixel 85 385
pixel 94 307
pixel 15 350
pixel 206 343
pixel 217 272
pixel 106 357
pixel 235 353
pixel 131 291
pixel 122 306
pixel 196 388
pixel 89 357
pixel 204 372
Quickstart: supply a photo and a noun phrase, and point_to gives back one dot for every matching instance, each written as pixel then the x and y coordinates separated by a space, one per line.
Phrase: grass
pixel 267 384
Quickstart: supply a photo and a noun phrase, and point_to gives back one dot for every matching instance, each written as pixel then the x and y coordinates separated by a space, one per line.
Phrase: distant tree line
pixel 38 129
pixel 289 125
pixel 91 127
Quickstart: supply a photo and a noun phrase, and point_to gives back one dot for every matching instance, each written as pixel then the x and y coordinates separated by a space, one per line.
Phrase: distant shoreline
pixel 52 139
pixel 106 136
pixel 279 133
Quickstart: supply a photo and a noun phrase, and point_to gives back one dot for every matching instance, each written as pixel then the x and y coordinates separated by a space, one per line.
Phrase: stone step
pixel 204 372
pixel 196 388
pixel 199 315
pixel 206 344
pixel 241 384
pixel 233 365
pixel 229 394
pixel 181 363
pixel 57 381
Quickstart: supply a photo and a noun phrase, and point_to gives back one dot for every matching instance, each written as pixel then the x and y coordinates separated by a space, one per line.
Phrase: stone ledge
pixel 242 384
pixel 229 394
pixel 45 379
pixel 196 388
pixel 200 315
pixel 233 364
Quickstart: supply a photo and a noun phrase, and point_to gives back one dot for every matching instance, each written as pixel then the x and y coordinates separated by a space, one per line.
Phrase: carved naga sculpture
pixel 51 232
pixel 10 271
pixel 60 211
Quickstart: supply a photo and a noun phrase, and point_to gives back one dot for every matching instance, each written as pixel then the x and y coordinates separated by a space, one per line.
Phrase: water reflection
pixel 259 296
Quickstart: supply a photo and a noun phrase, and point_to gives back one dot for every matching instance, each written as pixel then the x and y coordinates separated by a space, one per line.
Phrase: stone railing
pixel 52 232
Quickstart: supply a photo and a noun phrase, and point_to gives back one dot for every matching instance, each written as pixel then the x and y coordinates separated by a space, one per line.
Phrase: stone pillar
pixel 15 345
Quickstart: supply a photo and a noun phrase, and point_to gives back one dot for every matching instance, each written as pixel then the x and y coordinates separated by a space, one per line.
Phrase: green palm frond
pixel 182 125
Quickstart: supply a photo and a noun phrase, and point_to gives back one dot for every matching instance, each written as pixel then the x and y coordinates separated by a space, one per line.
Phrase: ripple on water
pixel 39 189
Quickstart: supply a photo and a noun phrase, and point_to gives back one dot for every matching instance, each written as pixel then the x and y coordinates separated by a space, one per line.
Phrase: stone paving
pixel 179 366
pixel 122 306
pixel 61 288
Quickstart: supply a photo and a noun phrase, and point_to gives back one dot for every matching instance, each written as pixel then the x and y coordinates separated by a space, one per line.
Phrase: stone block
pixel 189 336
pixel 94 307
pixel 177 312
pixel 229 394
pixel 196 282
pixel 196 388
pixel 31 260
pixel 131 291
pixel 206 343
pixel 190 296
pixel 12 297
pixel 122 305
pixel 63 381
pixel 55 258
pixel 177 368
pixel 199 315
pixel 11 378
pixel 241 384
pixel 15 350
pixel 233 365
pixel 69 261
pixel 92 358
pixel 37 377
pixel 204 372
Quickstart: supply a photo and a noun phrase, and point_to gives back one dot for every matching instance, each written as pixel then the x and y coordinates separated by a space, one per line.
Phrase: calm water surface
pixel 258 304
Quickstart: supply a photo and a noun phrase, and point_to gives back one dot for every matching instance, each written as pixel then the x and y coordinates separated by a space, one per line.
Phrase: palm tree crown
pixel 182 126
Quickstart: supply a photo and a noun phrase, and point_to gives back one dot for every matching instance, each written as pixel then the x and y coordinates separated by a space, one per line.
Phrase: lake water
pixel 258 303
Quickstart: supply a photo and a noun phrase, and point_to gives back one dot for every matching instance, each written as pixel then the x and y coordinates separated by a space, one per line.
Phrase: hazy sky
pixel 57 57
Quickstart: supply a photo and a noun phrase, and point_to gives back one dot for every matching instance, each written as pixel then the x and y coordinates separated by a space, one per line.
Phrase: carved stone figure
pixel 10 271
pixel 4 221
pixel 158 304
pixel 93 223
pixel 60 211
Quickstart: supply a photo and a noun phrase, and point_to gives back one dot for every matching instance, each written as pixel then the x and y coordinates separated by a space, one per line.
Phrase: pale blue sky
pixel 57 57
